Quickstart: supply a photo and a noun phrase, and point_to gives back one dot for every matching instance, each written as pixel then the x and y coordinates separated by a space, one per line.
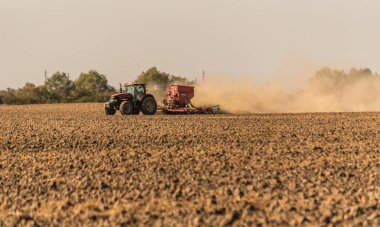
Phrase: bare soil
pixel 70 164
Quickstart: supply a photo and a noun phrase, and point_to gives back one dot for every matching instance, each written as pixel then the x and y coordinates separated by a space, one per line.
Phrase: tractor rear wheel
pixel 149 106
pixel 126 108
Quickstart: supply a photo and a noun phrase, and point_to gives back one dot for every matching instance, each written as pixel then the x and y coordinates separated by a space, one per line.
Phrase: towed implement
pixel 178 101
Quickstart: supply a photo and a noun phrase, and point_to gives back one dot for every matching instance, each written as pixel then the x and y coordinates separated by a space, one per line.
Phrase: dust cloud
pixel 327 91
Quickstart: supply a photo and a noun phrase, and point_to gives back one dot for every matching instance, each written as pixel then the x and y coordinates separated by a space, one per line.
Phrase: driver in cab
pixel 139 91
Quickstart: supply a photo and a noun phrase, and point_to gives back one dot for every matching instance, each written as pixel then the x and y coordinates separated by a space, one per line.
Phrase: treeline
pixel 343 76
pixel 89 87
pixel 160 80
pixel 331 81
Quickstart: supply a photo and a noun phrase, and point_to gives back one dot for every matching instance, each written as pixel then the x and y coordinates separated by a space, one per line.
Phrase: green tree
pixel 180 80
pixel 161 80
pixel 154 78
pixel 91 86
pixel 8 96
pixel 3 93
pixel 42 94
pixel 59 86
pixel 1 97
pixel 27 94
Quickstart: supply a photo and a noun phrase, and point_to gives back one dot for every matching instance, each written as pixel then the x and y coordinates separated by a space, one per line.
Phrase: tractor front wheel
pixel 149 106
pixel 109 111
pixel 126 108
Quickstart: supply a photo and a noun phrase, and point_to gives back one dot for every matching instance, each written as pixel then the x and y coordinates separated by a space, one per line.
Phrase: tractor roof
pixel 133 84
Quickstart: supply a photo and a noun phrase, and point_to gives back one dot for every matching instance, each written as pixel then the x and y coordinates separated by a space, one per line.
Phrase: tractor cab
pixel 136 90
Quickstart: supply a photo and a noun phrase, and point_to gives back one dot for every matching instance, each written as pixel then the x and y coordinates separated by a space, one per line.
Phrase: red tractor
pixel 131 100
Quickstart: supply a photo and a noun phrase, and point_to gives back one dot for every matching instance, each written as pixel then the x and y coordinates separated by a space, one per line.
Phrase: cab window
pixel 131 90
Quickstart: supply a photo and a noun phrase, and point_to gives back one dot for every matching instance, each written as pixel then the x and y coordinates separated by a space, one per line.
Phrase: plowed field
pixel 70 164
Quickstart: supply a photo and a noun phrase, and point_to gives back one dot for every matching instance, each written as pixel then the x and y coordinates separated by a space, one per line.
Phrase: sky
pixel 253 39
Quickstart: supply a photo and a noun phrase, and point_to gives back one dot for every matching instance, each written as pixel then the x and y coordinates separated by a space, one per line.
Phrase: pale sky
pixel 239 38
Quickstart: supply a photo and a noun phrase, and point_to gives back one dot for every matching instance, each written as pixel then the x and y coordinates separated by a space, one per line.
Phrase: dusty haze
pixel 326 91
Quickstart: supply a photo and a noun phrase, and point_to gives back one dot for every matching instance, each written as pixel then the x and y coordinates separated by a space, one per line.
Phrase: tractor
pixel 131 100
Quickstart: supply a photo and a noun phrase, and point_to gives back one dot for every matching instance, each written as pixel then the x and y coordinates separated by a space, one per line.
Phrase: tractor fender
pixel 146 95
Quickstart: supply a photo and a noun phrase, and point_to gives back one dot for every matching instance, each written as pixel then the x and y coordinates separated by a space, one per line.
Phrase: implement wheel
pixel 149 106
pixel 126 108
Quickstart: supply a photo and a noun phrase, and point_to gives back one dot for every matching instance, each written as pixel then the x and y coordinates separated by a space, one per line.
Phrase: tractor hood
pixel 121 96
pixel 117 94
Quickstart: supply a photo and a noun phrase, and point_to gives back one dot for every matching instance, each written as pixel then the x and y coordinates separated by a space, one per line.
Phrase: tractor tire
pixel 126 108
pixel 136 111
pixel 148 106
pixel 109 111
